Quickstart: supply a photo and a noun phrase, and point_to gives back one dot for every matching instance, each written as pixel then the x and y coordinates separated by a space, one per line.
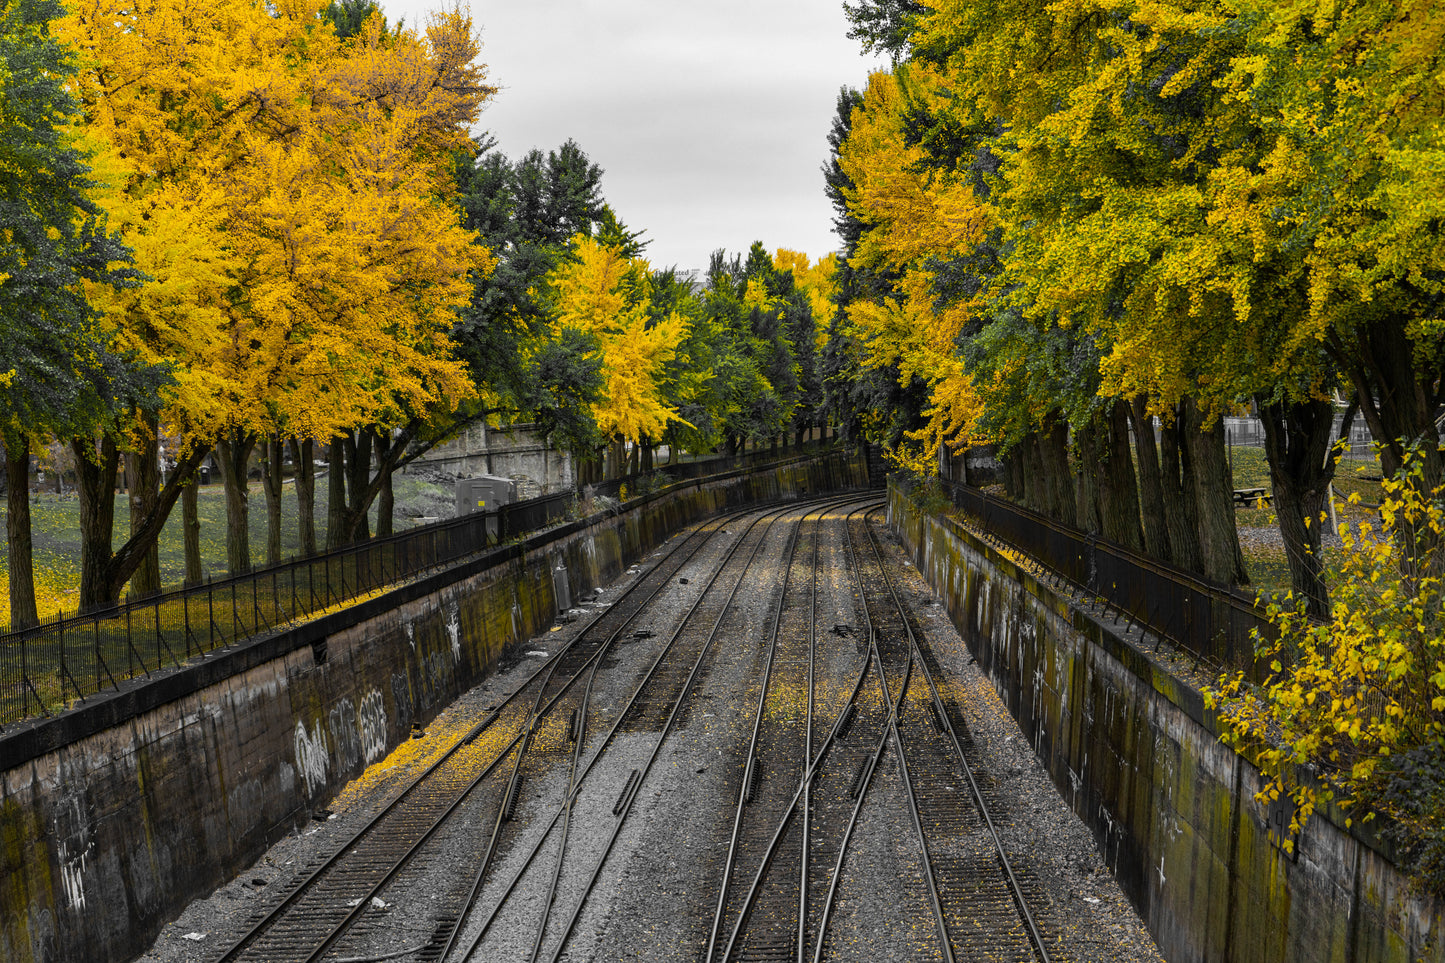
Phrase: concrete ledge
pixel 115 815
pixel 1131 746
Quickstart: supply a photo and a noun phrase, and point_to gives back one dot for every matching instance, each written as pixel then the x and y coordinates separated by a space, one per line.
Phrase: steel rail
pixel 480 875
pixel 813 768
pixel 1031 927
pixel 867 781
pixel 657 748
pixel 406 793
pixel 810 771
pixel 752 759
pixel 807 779
pixel 945 941
pixel 526 864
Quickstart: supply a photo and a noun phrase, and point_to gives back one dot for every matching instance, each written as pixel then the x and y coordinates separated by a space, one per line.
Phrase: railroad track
pixel 327 908
pixel 980 908
pixel 324 902
pixel 965 887
pixel 496 852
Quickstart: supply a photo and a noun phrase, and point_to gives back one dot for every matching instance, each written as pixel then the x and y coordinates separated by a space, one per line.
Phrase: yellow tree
pixel 309 175
pixel 915 221
pixel 606 296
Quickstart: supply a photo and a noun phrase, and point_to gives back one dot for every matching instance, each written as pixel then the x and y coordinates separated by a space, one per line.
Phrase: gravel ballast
pixel 658 888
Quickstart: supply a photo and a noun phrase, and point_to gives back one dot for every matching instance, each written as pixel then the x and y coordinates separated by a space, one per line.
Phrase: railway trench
pixel 751 747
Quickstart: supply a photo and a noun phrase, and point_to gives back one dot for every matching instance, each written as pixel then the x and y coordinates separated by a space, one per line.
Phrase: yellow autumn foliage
pixel 1348 695
pixel 600 292
pixel 285 191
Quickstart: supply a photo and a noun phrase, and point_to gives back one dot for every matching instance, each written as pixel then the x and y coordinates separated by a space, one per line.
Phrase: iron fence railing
pixel 1212 622
pixel 69 658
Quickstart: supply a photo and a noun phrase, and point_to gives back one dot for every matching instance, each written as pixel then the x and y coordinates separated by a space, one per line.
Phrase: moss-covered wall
pixel 1133 750
pixel 116 815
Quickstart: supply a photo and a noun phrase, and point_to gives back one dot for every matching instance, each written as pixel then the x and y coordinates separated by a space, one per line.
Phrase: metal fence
pixel 69 658
pixel 1210 621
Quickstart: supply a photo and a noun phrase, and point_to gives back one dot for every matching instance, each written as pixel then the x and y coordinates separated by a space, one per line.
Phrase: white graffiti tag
pixel 372 720
pixel 312 758
pixel 454 630
pixel 72 877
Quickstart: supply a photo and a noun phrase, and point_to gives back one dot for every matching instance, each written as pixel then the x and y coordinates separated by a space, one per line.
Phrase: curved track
pixel 499 850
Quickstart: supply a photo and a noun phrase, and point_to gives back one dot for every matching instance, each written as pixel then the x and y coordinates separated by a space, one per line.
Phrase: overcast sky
pixel 710 120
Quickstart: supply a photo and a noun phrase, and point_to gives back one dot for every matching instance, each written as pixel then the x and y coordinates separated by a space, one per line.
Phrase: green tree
pixel 58 372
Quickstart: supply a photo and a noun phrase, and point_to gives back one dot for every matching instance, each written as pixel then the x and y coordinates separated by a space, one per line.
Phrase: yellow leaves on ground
pixel 606 295
pixel 283 190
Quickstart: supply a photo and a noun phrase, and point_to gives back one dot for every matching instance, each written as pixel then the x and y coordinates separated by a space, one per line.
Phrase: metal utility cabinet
pixel 485 493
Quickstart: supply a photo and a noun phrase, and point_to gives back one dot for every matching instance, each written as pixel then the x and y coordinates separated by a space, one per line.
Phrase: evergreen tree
pixel 57 371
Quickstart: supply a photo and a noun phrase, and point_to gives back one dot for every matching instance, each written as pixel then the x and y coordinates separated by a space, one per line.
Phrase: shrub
pixel 1354 708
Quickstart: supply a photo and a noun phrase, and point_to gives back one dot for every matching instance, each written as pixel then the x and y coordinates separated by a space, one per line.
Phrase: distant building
pixel 513 451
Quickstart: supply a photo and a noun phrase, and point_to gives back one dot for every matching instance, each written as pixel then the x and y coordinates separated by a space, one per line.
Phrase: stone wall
pixel 514 452
pixel 1137 755
pixel 116 814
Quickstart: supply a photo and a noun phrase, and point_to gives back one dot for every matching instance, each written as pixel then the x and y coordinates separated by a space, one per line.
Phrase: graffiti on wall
pixel 312 757
pixel 371 718
pixel 349 737
pixel 454 630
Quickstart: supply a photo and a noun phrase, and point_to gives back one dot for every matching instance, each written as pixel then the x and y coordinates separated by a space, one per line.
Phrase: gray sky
pixel 710 120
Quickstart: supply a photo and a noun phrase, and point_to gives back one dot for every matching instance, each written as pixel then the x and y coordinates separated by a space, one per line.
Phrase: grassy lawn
pixel 1268 567
pixel 55 530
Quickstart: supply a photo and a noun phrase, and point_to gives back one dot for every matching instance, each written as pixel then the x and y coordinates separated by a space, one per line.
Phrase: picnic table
pixel 1252 497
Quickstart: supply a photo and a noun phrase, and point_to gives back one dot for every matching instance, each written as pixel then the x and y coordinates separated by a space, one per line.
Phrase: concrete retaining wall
pixel 117 814
pixel 1134 751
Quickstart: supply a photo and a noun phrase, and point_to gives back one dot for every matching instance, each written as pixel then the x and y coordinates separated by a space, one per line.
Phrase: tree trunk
pixel 143 469
pixel 386 498
pixel 23 613
pixel 302 458
pixel 233 451
pixel 271 484
pixel 1085 477
pixel 1036 491
pixel 1054 457
pixel 1151 482
pixel 1399 398
pixel 1177 481
pixel 358 479
pixel 95 472
pixel 1116 479
pixel 103 572
pixel 1222 558
pixel 645 458
pixel 1296 442
pixel 336 493
pixel 1013 475
pixel 616 458
pixel 361 487
pixel 191 527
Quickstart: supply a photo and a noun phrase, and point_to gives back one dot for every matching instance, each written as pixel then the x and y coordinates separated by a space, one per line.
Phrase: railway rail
pixel 520 819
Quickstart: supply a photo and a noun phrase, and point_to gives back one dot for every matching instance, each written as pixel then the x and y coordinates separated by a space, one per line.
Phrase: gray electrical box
pixel 485 493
